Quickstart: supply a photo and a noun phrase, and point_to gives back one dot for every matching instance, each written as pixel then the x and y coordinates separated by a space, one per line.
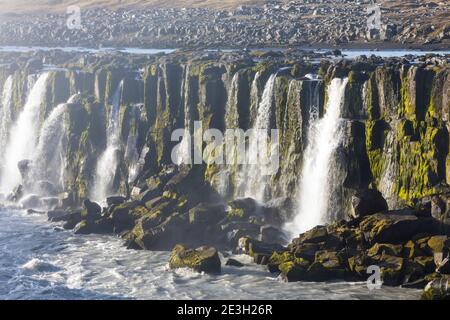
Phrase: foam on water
pixel 40 261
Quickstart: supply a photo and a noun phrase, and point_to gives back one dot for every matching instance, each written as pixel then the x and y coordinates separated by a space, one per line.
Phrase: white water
pixel 23 135
pixel 5 112
pixel 41 261
pixel 108 162
pixel 47 160
pixel 253 179
pixel 324 136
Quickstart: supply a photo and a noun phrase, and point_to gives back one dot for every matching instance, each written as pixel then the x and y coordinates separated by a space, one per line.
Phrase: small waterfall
pixel 23 135
pixel 108 161
pixel 5 112
pixel 315 186
pixel 47 161
pixel 183 155
pixel 255 181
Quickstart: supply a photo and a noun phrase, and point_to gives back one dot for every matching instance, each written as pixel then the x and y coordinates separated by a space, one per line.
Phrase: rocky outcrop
pixel 201 260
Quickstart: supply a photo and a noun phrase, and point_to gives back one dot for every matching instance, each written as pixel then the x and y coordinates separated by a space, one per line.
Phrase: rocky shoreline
pixel 274 24
pixel 396 112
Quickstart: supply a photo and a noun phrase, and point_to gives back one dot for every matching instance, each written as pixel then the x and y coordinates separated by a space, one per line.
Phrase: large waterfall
pixel 23 135
pixel 108 162
pixel 315 186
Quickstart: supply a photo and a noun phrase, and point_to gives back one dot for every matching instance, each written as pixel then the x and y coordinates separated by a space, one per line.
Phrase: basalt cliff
pixel 82 127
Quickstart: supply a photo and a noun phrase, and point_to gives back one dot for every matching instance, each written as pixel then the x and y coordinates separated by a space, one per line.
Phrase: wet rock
pixel 366 202
pixel 438 289
pixel 101 226
pixel 203 259
pixel 270 234
pixel 394 227
pixel 259 251
pixel 57 215
pixel 116 200
pixel 206 213
pixel 234 263
pixel 92 208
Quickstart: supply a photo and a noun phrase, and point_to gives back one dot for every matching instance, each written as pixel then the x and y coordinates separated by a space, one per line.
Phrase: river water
pixel 39 260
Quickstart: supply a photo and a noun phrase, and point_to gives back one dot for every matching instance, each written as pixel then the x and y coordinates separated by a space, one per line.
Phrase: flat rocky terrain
pixel 193 24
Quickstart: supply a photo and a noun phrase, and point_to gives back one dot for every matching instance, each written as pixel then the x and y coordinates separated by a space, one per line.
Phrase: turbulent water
pixel 23 135
pixel 41 261
pixel 316 183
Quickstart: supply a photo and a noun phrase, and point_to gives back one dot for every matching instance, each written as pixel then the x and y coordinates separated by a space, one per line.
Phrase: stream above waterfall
pixel 348 53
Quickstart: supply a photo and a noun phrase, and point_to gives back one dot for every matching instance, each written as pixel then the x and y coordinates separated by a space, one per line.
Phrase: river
pixel 40 260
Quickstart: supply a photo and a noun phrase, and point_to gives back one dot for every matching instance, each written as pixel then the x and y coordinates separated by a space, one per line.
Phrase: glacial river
pixel 39 260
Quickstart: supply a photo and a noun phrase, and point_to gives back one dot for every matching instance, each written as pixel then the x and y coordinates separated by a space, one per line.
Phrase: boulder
pixel 92 208
pixel 204 259
pixel 115 200
pixel 368 201
pixel 101 226
pixel 437 289
pixel 394 227
pixel 234 263
pixel 206 213
pixel 270 234
pixel 57 215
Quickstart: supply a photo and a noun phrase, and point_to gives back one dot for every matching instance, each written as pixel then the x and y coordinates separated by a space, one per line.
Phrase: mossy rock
pixel 385 248
pixel 437 289
pixel 201 260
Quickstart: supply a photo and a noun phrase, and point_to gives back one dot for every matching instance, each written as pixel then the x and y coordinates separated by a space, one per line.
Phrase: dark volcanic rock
pixel 201 260
pixel 368 202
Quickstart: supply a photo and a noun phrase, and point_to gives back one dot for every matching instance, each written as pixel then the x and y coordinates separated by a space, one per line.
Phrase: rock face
pixel 395 147
pixel 201 260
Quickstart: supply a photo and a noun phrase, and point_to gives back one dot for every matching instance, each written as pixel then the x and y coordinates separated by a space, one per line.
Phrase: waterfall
pixel 183 155
pixel 316 185
pixel 23 135
pixel 5 112
pixel 47 161
pixel 107 163
pixel 255 181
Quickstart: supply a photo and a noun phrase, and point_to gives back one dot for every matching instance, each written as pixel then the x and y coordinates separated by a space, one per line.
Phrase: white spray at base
pixel 315 185
pixel 108 162
pixel 23 135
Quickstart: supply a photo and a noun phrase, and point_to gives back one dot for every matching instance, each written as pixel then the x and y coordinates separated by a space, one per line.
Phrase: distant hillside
pixel 28 6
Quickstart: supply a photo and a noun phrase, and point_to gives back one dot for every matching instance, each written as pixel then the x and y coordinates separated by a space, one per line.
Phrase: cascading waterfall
pixel 324 136
pixel 183 155
pixel 108 162
pixel 256 181
pixel 23 135
pixel 47 164
pixel 5 112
